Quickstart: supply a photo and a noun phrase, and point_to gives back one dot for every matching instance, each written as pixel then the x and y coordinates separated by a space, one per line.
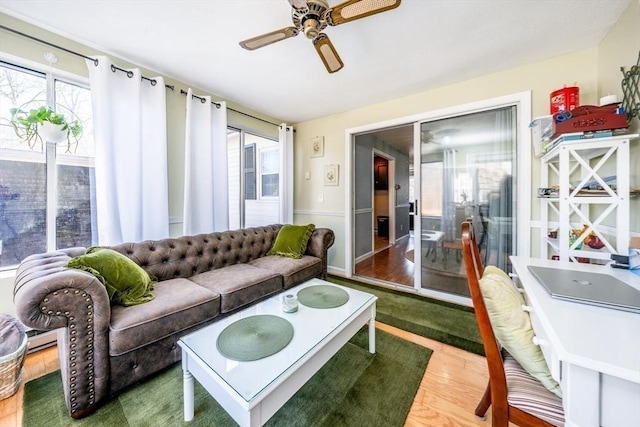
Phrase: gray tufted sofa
pixel 103 348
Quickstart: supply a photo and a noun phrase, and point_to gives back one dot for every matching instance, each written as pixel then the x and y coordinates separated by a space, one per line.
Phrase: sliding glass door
pixel 254 179
pixel 466 168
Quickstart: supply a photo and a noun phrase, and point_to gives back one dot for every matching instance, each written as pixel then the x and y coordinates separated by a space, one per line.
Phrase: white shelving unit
pixel 582 161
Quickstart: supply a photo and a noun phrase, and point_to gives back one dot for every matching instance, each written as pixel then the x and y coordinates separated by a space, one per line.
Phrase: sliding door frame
pixel 522 102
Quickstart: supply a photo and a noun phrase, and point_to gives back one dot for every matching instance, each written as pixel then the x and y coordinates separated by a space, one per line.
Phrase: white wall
pixel 594 70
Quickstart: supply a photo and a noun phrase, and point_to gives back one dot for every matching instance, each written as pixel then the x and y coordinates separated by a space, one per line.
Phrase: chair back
pixel 474 269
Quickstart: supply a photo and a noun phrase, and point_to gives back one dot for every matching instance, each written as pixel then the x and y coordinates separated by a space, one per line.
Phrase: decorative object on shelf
pixel 317 146
pixel 331 174
pixel 589 118
pixel 631 90
pixel 564 100
pixel 44 124
pixel 289 303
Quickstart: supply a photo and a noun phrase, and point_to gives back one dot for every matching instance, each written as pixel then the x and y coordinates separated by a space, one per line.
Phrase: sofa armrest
pixel 319 243
pixel 49 296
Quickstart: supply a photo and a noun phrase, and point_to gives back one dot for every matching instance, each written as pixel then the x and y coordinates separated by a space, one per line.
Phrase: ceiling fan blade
pixel 328 53
pixel 351 10
pixel 268 38
pixel 298 4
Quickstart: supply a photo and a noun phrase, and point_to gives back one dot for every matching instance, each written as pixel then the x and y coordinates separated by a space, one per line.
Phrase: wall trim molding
pixel 319 213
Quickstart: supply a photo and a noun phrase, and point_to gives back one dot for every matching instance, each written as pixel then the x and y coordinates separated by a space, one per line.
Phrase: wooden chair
pixel 513 395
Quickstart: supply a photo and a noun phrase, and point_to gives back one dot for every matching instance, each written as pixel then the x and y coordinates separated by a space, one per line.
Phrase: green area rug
pixel 445 322
pixel 355 388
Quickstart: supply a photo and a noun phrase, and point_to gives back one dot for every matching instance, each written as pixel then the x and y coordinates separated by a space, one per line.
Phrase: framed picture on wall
pixel 331 174
pixel 317 146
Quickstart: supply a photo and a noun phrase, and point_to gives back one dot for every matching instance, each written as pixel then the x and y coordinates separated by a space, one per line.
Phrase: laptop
pixel 597 289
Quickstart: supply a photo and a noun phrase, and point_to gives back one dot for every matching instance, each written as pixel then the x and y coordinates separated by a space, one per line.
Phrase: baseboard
pixel 37 340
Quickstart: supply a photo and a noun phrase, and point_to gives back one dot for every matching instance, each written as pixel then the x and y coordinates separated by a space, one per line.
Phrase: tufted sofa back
pixel 189 255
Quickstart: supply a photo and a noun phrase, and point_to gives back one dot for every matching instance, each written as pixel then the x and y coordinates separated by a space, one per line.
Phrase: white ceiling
pixel 422 44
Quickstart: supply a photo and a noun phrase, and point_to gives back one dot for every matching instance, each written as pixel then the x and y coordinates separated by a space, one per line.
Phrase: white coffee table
pixel 252 392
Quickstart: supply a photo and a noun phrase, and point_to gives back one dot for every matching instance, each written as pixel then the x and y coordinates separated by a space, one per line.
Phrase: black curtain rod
pixel 95 60
pixel 129 73
pixel 203 100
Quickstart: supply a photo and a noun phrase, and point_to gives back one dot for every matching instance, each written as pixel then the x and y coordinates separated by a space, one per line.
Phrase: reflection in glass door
pixel 466 167
pixel 254 179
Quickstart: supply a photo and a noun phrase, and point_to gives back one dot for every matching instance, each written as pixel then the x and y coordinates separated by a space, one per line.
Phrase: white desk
pixel 593 352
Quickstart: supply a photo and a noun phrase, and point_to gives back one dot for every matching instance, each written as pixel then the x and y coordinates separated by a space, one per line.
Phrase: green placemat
pixel 323 296
pixel 255 337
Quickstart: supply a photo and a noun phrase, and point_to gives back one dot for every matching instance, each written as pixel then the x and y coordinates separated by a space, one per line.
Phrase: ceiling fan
pixel 312 16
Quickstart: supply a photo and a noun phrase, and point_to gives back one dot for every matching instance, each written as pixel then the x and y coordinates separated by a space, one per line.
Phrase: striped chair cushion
pixel 529 395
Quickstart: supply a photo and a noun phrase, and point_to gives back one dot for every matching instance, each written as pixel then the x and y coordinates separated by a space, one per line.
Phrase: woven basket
pixel 11 370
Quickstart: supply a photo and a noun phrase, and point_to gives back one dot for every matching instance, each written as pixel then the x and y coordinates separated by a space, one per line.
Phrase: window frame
pixel 262 174
pixel 52 158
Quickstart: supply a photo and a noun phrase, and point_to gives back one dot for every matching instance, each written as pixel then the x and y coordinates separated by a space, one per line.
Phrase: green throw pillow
pixel 512 325
pixel 292 240
pixel 126 282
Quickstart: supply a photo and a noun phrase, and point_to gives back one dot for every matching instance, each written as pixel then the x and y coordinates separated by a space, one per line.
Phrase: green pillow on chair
pixel 126 282
pixel 512 325
pixel 292 240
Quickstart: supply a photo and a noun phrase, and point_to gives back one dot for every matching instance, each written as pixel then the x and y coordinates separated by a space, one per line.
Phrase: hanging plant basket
pixel 45 125
pixel 52 133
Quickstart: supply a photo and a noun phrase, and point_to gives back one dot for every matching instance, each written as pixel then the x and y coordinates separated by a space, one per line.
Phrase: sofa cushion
pixel 178 304
pixel 291 240
pixel 126 282
pixel 239 284
pixel 293 271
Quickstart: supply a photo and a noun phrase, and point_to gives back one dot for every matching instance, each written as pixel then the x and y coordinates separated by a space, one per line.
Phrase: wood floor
pixel 389 263
pixel 451 387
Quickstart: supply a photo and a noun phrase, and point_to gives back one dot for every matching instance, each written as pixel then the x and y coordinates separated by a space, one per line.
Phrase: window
pixel 250 172
pixel 254 186
pixel 269 173
pixel 47 192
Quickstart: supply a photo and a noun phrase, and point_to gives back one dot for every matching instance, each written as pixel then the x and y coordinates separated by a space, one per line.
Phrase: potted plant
pixel 44 124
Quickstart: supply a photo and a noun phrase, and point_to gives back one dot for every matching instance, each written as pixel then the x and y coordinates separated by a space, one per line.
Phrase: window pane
pixel 233 170
pixel 22 90
pixel 270 162
pixel 76 207
pixel 75 103
pixel 432 186
pixel 23 203
pixel 270 185
pixel 250 172
pixel 22 171
pixel 75 224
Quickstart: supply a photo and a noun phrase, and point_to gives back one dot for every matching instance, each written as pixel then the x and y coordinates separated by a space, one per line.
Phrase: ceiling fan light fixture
pixel 311 28
pixel 311 17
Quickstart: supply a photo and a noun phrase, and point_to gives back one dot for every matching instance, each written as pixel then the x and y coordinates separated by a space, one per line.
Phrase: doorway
pixel 468 195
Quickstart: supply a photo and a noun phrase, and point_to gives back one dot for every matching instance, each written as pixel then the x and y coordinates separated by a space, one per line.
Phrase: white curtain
pixel 286 173
pixel 130 133
pixel 206 201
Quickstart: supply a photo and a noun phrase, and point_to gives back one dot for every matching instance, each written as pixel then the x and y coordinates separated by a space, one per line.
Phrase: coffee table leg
pixel 372 330
pixel 188 391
